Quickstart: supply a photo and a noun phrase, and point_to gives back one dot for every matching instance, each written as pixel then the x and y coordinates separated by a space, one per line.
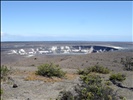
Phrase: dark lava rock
pixel 15 86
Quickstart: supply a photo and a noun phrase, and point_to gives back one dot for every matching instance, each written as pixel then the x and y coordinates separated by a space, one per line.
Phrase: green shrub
pixel 108 83
pixel 91 88
pixel 128 63
pixel 4 71
pixel 91 79
pixel 96 68
pixel 99 69
pixel 65 95
pixel 1 91
pixel 50 70
pixel 81 72
pixel 117 77
pixel 122 98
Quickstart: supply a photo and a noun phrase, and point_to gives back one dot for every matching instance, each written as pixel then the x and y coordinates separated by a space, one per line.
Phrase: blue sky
pixel 66 21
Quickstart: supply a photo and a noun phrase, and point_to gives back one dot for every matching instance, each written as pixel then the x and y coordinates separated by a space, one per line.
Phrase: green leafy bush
pixel 91 88
pixel 117 77
pixel 50 70
pixel 96 68
pixel 4 71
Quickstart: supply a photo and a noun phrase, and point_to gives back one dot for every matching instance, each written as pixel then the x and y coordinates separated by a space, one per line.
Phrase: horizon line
pixel 66 41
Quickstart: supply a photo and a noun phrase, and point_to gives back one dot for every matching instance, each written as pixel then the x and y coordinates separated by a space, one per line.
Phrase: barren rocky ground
pixel 32 87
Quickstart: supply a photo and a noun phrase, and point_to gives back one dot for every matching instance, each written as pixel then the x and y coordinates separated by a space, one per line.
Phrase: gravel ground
pixel 49 88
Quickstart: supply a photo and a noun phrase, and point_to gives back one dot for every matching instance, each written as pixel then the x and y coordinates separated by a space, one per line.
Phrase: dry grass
pixel 33 77
pixel 19 72
pixel 71 76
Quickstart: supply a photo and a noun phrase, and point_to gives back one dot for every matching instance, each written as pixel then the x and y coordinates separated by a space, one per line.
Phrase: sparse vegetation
pixel 117 77
pixel 115 61
pixel 50 70
pixel 32 64
pixel 122 98
pixel 108 83
pixel 65 95
pixel 1 91
pixel 4 71
pixel 128 63
pixel 96 68
pixel 81 71
pixel 91 88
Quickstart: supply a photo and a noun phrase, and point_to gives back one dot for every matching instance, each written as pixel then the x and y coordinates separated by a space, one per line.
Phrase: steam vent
pixel 56 50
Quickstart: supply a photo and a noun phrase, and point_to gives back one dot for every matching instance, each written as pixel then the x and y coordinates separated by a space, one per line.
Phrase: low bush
pixel 91 79
pixel 128 63
pixel 1 91
pixel 65 95
pixel 122 98
pixel 81 72
pixel 96 68
pixel 99 69
pixel 91 88
pixel 50 70
pixel 108 83
pixel 4 71
pixel 117 77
